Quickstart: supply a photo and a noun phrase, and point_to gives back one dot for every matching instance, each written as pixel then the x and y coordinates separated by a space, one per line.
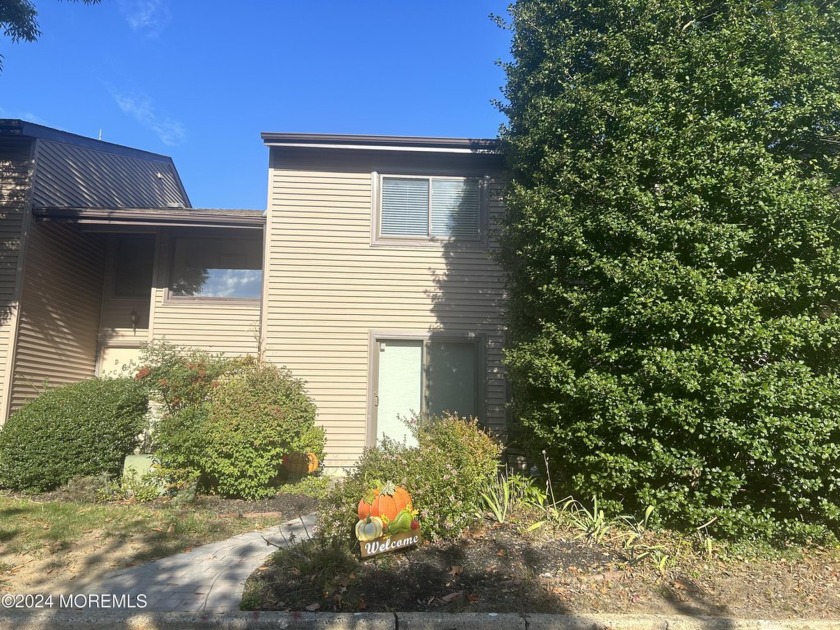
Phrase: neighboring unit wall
pixel 328 288
pixel 59 310
pixel 227 326
pixel 14 189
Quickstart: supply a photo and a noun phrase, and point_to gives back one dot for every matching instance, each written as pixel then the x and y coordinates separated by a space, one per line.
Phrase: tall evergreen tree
pixel 673 248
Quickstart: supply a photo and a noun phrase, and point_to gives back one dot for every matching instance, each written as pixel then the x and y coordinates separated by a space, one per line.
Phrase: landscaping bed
pixel 502 568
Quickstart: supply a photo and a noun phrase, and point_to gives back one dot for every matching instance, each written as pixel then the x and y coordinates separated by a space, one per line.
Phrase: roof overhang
pixel 381 143
pixel 154 217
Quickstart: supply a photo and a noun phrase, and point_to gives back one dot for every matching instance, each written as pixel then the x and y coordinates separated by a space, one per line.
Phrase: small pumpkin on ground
pixel 300 463
pixel 386 503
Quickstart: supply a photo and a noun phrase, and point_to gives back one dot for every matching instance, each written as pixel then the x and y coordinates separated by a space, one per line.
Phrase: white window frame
pixel 377 237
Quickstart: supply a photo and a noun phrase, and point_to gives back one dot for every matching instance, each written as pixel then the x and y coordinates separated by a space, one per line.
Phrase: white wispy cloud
pixel 22 115
pixel 149 17
pixel 171 132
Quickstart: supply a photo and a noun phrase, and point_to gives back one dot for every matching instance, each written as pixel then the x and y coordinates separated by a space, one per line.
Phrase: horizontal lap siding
pixel 328 288
pixel 228 327
pixel 14 182
pixel 60 307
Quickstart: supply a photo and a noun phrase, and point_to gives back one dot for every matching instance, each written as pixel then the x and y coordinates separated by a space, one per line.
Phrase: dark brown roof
pixel 74 171
pixel 406 143
pixel 169 217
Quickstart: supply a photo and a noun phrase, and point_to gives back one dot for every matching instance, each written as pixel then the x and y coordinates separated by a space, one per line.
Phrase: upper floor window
pixel 217 268
pixel 429 207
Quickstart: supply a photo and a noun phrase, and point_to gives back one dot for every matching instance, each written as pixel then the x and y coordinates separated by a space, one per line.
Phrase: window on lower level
pixel 217 268
pixel 429 207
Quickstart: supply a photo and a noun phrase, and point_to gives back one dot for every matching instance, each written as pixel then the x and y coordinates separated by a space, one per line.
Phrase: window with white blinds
pixel 430 207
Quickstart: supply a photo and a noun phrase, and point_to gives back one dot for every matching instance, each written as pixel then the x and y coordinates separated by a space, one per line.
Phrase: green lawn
pixel 30 527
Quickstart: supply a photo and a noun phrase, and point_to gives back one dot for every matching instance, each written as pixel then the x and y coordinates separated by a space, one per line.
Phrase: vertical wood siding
pixel 14 185
pixel 327 288
pixel 59 310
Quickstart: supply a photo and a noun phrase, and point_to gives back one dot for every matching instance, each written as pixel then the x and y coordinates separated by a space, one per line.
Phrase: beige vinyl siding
pixel 59 310
pixel 328 289
pixel 227 326
pixel 14 186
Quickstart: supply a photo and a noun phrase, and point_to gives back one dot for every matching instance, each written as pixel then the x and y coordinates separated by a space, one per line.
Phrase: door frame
pixel 375 336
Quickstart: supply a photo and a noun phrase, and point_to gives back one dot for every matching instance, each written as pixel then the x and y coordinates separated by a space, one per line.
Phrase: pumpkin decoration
pixel 369 529
pixel 386 503
pixel 300 463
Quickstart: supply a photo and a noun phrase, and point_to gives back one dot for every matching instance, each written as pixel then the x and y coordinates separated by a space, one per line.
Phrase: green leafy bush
pixel 445 475
pixel 671 241
pixel 180 439
pixel 255 417
pixel 83 429
pixel 234 435
pixel 182 377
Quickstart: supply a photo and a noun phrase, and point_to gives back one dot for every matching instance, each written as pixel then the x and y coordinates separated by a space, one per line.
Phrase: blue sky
pixel 200 80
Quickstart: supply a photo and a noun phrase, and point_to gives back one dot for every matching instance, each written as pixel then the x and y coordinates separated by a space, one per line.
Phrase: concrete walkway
pixel 209 578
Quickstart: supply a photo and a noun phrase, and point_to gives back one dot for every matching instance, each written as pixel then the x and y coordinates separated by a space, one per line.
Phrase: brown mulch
pixel 499 569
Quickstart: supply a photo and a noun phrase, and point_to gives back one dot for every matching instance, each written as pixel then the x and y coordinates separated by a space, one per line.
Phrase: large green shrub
pixel 83 429
pixel 444 474
pixel 672 246
pixel 235 440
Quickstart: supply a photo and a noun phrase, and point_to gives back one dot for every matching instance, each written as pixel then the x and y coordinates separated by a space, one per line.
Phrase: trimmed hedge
pixel 82 429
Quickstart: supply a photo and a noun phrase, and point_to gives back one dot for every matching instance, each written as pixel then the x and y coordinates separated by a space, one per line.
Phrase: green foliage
pixel 445 475
pixel 592 525
pixel 508 492
pixel 315 486
pixel 182 378
pixel 671 241
pixel 180 439
pixel 255 417
pixel 141 487
pixel 230 432
pixel 83 429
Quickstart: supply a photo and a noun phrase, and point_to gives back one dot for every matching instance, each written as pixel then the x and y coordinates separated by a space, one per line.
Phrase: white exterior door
pixel 400 388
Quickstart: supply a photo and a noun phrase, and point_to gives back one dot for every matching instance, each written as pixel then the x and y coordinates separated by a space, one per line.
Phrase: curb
pixel 78 619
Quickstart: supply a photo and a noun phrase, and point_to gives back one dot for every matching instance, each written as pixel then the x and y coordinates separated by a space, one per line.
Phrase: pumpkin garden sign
pixel 387 521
